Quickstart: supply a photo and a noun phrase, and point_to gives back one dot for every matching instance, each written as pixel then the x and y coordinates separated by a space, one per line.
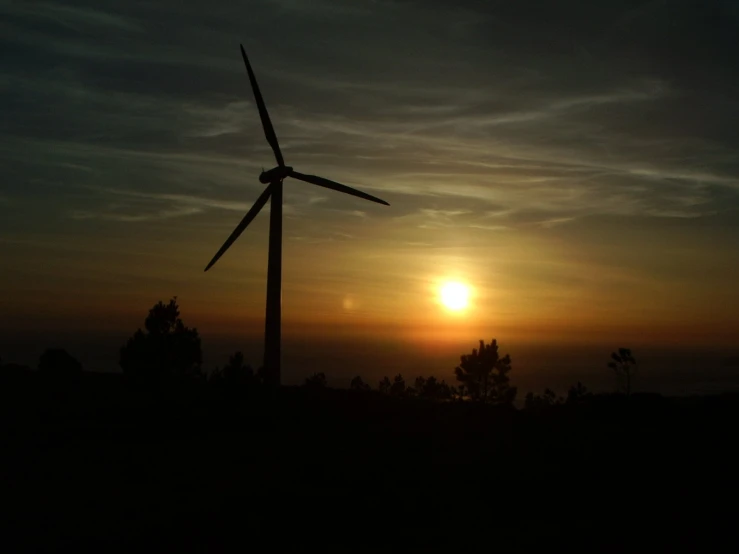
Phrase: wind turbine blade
pixel 269 131
pixel 321 182
pixel 250 215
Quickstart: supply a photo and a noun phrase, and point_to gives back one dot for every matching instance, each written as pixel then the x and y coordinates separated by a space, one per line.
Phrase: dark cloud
pixel 562 109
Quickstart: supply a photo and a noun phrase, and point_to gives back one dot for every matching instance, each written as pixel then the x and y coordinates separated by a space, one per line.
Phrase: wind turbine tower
pixel 274 179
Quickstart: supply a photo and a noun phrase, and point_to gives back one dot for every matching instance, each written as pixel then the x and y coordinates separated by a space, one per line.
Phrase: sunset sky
pixel 575 164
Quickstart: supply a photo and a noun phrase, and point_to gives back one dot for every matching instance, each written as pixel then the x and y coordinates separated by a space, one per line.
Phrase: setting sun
pixel 455 296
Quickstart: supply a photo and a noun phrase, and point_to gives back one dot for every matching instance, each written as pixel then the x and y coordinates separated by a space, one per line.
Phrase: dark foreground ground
pixel 98 466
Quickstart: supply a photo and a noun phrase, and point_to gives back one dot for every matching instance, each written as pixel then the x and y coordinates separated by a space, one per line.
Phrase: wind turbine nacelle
pixel 275 174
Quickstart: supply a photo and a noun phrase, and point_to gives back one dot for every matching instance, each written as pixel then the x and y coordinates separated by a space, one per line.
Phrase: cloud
pixel 433 218
pixel 335 236
pixel 175 205
pixel 538 114
pixel 549 223
pixel 72 17
pixel 135 218
pixel 229 119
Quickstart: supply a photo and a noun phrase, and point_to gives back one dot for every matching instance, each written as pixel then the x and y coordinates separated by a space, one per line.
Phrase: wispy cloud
pixel 153 205
pixel 353 213
pixel 134 218
pixel 230 119
pixel 335 236
pixel 73 17
pixel 534 137
pixel 474 122
pixel 549 223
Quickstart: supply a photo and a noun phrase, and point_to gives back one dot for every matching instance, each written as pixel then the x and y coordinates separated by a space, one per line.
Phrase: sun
pixel 455 296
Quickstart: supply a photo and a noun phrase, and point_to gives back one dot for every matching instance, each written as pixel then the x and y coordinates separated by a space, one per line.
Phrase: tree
pixel 316 381
pixel 432 389
pixel 166 349
pixel 419 386
pixel 236 372
pixel 58 363
pixel 359 385
pixel 577 394
pixel 458 393
pixel 261 376
pixel 624 364
pixel 535 402
pixel 485 375
pixel 398 386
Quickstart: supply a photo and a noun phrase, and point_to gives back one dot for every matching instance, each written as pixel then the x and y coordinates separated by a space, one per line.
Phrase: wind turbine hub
pixel 275 174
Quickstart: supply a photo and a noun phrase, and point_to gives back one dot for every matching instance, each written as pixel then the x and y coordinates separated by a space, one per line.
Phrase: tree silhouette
pixel 485 374
pixel 261 376
pixel 167 348
pixel 419 385
pixel 546 400
pixel 432 389
pixel 624 364
pixel 236 372
pixel 316 381
pixel 58 363
pixel 398 386
pixel 458 393
pixel 358 384
pixel 577 394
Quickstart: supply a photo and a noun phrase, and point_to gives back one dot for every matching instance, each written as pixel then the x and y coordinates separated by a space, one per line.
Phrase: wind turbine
pixel 273 192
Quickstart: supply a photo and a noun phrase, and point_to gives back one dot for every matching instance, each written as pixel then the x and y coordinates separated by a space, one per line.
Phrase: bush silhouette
pixel 166 349
pixel 536 402
pixel 484 375
pixel 236 372
pixel 316 381
pixel 577 394
pixel 58 363
pixel 358 384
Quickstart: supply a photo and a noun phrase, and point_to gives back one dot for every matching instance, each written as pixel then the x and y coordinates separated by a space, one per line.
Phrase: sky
pixel 575 164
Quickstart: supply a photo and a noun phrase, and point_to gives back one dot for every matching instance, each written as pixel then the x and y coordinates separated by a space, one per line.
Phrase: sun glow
pixel 455 296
